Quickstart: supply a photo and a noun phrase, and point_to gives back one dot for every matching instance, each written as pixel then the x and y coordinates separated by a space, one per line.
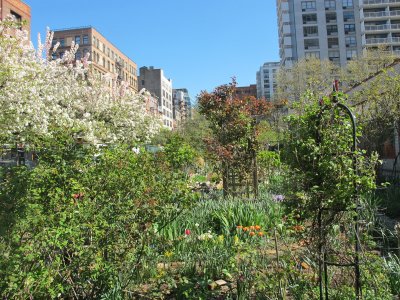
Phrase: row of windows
pixel 329 4
pixel 333 55
pixel 112 55
pixel 85 39
pixel 167 123
pixel 330 30
pixel 348 16
pixel 332 43
pixel 111 67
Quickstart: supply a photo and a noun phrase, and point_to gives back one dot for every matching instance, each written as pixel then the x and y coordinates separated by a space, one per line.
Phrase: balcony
pixel 384 27
pixel 376 15
pixel 373 41
pixel 376 41
pixel 378 2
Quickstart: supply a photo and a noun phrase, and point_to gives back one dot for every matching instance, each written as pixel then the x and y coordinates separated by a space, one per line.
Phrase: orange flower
pixel 245 228
pixel 298 228
pixel 257 227
pixel 252 233
pixel 252 227
pixel 304 265
pixel 239 227
pixel 260 233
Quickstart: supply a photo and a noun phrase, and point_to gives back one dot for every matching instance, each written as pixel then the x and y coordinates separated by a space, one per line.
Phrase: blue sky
pixel 200 44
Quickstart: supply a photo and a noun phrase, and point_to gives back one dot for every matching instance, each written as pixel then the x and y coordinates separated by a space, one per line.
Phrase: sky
pixel 199 44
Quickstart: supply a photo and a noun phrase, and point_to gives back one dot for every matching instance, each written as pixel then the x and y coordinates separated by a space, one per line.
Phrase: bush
pixel 80 224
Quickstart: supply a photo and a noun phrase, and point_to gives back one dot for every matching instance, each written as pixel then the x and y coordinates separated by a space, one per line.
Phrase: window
pixel 350 54
pixel 308 5
pixel 62 42
pixel 61 54
pixel 348 16
pixel 330 4
pixel 311 44
pixel 331 18
pixel 78 55
pixel 54 42
pixel 349 28
pixel 347 3
pixel 334 56
pixel 310 31
pixel 85 52
pixel 351 41
pixel 312 54
pixel 85 39
pixel 77 39
pixel 333 43
pixel 54 56
pixel 16 16
pixel 331 30
pixel 309 18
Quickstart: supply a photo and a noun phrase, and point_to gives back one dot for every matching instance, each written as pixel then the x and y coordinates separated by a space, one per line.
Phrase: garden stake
pixel 277 261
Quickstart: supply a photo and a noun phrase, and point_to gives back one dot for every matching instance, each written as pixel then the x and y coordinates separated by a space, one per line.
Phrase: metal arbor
pixel 323 261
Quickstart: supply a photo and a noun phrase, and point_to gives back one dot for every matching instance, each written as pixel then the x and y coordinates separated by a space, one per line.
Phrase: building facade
pixel 380 23
pixel 154 81
pixel 18 9
pixel 105 57
pixel 266 80
pixel 186 111
pixel 326 29
pixel 246 91
pixel 179 107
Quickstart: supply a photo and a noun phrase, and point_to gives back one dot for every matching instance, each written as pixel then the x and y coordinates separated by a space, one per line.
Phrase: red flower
pixel 187 231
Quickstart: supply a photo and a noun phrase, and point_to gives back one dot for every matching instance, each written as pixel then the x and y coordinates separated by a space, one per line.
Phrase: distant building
pixel 266 80
pixel 326 29
pixel 187 107
pixel 178 100
pixel 246 91
pixel 105 57
pixel 151 102
pixel 154 81
pixel 18 9
pixel 380 23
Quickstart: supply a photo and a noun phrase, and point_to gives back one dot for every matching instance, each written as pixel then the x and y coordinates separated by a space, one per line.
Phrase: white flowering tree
pixel 39 96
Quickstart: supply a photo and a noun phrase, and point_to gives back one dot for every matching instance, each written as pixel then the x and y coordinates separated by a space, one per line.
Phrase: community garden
pixel 245 201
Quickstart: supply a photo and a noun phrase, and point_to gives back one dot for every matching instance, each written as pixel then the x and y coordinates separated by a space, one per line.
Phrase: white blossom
pixel 39 95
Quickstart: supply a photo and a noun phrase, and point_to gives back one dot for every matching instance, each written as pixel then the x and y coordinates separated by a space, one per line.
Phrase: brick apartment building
pixel 105 57
pixel 18 9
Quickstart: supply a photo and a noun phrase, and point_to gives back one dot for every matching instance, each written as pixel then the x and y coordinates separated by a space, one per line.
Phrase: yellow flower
pixel 236 239
pixel 168 254
pixel 220 238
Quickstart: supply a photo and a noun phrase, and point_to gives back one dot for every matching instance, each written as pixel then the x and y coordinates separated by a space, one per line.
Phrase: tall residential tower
pixel 326 29
pixel 380 23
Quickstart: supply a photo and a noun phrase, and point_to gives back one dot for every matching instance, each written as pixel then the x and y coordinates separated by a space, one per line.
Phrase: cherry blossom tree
pixel 40 96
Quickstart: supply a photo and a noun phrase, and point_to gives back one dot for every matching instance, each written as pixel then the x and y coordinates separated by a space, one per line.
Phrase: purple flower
pixel 278 198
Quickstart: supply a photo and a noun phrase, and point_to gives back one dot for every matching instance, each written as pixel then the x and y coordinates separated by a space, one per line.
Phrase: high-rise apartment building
pixel 154 81
pixel 326 29
pixel 105 57
pixel 18 9
pixel 266 80
pixel 380 23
